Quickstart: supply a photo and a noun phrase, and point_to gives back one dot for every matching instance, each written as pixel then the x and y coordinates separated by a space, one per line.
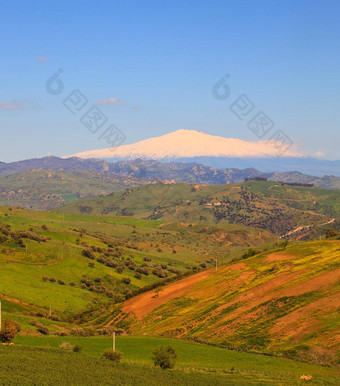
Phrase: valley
pixel 74 262
pixel 195 266
pixel 261 204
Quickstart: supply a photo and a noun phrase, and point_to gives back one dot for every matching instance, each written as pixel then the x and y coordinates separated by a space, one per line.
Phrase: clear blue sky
pixel 164 57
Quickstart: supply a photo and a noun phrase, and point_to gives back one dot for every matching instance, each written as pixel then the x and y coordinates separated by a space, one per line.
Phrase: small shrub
pixel 120 268
pixel 114 356
pixel 61 333
pixel 55 318
pixel 251 252
pixel 164 357
pixel 42 329
pixel 88 253
pixel 330 232
pixel 144 271
pixel 77 348
pixel 126 280
pixel 83 331
pixel 66 346
pixel 9 330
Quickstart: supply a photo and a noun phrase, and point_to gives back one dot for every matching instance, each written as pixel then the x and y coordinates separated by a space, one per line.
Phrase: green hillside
pixel 75 263
pixel 47 189
pixel 267 205
pixel 281 302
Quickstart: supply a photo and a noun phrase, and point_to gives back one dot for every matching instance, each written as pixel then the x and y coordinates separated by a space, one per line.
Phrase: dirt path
pixel 143 304
pixel 13 300
pixel 301 227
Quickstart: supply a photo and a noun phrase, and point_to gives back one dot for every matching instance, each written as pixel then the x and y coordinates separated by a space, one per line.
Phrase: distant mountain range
pixel 219 152
pixel 51 182
pixel 149 171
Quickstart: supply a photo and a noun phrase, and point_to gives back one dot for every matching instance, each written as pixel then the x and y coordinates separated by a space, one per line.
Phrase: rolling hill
pixel 267 205
pixel 76 263
pixel 48 189
pixel 282 302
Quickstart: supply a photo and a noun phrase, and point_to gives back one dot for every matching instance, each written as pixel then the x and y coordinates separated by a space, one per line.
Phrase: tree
pixel 164 357
pixel 126 280
pixel 284 244
pixel 9 330
pixel 251 252
pixel 331 233
pixel 77 348
pixel 114 356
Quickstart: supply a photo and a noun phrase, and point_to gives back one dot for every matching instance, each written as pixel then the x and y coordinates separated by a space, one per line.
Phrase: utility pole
pixel 64 235
pixel 114 341
pixel 216 263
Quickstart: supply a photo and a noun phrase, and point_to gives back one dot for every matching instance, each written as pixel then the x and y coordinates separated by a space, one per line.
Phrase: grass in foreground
pixel 32 366
pixel 236 367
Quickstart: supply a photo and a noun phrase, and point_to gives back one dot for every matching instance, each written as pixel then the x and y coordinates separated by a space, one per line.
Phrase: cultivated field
pixel 196 362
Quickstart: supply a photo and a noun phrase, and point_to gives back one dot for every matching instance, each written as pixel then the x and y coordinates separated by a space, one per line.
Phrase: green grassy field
pixel 196 357
pixel 29 366
pixel 47 189
pixel 266 205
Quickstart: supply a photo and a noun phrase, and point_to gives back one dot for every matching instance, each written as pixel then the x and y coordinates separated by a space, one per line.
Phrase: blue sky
pixel 158 61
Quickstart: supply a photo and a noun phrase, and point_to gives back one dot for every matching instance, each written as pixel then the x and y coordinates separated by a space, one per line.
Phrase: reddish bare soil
pixel 143 304
pixel 279 256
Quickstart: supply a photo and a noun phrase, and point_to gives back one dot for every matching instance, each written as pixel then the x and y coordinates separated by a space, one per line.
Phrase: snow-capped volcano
pixel 189 144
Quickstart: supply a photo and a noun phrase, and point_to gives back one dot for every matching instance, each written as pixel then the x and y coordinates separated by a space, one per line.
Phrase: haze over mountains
pixel 150 170
pixel 169 159
pixel 216 151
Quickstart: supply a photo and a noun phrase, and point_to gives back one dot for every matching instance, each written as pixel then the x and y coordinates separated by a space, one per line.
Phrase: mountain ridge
pixel 219 152
pixel 150 170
